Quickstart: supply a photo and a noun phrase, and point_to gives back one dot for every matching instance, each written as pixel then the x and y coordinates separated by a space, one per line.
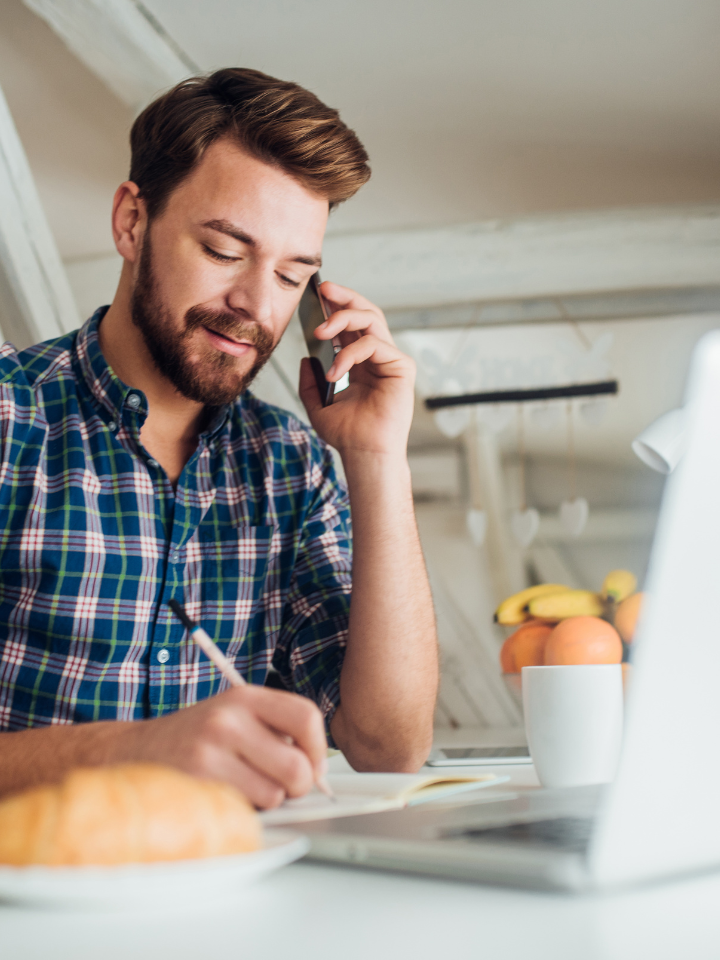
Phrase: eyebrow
pixel 230 230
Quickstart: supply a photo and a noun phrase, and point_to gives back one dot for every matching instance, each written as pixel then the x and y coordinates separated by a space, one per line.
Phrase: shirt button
pixel 153 463
pixel 175 556
pixel 112 426
pixel 133 401
pixel 163 656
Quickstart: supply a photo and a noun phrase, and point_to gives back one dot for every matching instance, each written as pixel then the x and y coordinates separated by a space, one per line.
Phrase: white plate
pixel 150 884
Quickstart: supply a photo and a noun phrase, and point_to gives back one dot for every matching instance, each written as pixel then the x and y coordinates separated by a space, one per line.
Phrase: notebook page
pixel 401 786
pixel 359 793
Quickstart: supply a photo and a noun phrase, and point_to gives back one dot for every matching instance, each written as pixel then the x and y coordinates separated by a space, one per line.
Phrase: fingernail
pixel 323 767
pixel 331 371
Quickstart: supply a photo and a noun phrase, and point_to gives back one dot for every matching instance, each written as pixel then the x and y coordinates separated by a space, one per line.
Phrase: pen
pixel 226 668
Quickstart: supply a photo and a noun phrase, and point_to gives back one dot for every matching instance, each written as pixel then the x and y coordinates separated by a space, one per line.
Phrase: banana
pixel 513 610
pixel 618 585
pixel 568 603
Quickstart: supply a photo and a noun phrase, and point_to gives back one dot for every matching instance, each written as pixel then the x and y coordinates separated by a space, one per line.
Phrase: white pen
pixel 226 668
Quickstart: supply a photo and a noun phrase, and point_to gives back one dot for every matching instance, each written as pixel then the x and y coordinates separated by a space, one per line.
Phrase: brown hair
pixel 277 122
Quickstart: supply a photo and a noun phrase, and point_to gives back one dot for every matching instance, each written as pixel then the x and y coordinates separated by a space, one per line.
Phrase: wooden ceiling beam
pixel 495 263
pixel 121 43
pixel 36 302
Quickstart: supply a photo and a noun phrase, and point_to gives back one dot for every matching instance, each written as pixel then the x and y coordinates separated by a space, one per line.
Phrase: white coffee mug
pixel 573 721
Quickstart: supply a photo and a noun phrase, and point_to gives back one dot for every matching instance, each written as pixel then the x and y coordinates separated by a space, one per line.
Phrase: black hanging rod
pixel 601 388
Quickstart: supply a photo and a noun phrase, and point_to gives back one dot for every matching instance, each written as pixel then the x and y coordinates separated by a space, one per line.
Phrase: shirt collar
pixel 108 391
pixel 113 398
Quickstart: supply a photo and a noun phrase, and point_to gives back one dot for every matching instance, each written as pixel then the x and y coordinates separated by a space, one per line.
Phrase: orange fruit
pixel 626 616
pixel 583 640
pixel 525 647
pixel 507 655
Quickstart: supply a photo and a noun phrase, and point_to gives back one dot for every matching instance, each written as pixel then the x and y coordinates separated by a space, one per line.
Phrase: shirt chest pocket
pixel 230 568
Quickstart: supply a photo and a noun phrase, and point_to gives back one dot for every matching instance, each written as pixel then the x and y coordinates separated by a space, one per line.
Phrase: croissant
pixel 132 813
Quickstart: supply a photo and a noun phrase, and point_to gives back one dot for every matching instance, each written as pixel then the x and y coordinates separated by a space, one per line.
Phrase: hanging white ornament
pixel 451 421
pixel 496 416
pixel 546 416
pixel 574 511
pixel 574 516
pixel 594 411
pixel 477 525
pixel 524 525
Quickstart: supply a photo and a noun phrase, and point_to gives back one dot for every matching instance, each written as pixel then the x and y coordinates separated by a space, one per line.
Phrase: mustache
pixel 230 326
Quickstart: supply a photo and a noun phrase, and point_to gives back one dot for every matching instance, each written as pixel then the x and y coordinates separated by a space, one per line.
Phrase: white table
pixel 313 912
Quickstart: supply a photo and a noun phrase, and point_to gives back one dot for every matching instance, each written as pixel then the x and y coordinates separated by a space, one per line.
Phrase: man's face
pixel 221 271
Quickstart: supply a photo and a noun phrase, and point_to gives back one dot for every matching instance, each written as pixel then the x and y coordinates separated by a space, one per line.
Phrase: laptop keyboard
pixel 567 833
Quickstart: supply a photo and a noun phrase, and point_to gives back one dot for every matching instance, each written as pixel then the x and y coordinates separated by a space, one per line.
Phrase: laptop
pixel 659 818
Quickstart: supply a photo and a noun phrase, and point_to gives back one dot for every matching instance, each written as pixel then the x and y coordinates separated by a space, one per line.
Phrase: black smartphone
pixel 313 312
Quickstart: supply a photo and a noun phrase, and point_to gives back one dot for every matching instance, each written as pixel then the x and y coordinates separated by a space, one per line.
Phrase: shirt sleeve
pixel 313 633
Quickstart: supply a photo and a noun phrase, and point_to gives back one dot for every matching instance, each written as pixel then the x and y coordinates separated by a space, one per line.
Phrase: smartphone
pixel 313 312
pixel 478 756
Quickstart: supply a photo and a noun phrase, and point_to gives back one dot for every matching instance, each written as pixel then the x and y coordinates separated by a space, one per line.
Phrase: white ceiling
pixel 470 109
pixel 484 108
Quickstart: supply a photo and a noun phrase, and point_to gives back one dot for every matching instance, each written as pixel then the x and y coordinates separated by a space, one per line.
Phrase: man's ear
pixel 129 220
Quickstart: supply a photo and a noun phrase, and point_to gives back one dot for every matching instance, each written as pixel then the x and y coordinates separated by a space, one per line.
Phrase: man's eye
pixel 287 281
pixel 219 256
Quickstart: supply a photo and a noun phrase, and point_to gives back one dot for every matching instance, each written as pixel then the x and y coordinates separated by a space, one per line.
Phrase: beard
pixel 212 378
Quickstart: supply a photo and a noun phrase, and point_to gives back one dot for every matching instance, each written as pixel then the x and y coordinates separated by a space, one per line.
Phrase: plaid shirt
pixel 94 541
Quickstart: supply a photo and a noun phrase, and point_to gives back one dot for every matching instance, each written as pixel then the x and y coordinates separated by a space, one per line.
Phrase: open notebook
pixel 372 792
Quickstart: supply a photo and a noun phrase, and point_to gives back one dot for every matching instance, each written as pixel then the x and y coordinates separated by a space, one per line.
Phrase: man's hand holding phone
pixel 374 413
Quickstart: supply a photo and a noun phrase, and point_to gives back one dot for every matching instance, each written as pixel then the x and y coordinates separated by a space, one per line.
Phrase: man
pixel 136 468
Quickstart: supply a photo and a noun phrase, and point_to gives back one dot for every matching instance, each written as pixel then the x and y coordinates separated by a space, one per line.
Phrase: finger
pixel 233 725
pixel 295 716
pixel 346 298
pixel 340 299
pixel 390 361
pixel 347 321
pixel 307 388
pixel 218 763
pixel 268 752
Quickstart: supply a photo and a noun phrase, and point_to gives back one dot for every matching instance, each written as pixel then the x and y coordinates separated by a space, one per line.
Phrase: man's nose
pixel 252 295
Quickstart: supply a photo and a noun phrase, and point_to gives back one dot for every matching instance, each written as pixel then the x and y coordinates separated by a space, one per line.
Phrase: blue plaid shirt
pixel 94 541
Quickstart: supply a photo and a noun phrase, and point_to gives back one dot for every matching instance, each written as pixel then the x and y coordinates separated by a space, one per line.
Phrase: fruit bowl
pixel 554 625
